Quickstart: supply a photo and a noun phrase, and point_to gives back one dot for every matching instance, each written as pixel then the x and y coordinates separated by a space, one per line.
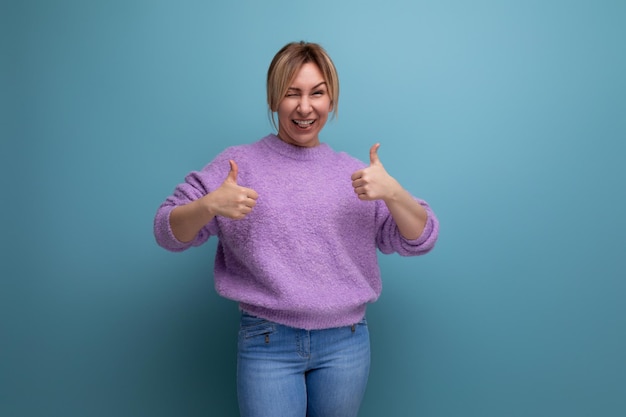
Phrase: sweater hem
pixel 308 320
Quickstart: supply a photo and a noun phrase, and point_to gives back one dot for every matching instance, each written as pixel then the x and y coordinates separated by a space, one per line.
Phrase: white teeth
pixel 303 122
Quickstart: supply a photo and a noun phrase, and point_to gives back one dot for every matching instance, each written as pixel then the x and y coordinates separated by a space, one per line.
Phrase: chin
pixel 304 139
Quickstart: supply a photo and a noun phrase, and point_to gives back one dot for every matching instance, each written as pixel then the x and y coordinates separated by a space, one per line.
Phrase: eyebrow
pixel 316 86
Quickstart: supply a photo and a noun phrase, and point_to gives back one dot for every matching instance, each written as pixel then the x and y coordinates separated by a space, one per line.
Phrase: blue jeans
pixel 288 372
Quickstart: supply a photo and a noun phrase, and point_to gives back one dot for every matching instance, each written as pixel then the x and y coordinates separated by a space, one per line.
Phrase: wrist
pixel 206 207
pixel 394 192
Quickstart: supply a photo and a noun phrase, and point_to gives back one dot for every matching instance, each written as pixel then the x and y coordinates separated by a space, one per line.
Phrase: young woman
pixel 299 226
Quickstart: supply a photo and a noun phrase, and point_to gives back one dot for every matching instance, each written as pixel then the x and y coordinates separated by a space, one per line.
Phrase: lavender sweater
pixel 306 254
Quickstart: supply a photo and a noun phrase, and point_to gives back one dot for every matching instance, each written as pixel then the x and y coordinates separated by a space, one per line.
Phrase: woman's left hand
pixel 373 182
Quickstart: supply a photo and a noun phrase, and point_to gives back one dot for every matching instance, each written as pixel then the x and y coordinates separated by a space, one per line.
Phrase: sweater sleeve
pixel 389 239
pixel 197 184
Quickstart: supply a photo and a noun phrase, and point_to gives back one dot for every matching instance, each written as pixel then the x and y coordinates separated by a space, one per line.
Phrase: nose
pixel 304 106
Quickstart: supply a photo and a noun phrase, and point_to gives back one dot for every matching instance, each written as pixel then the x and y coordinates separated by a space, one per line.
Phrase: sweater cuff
pixel 163 232
pixel 426 233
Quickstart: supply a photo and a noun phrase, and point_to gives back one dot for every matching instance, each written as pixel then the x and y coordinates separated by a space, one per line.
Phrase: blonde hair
pixel 286 64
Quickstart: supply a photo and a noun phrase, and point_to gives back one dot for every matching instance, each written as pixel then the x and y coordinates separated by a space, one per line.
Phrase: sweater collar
pixel 296 152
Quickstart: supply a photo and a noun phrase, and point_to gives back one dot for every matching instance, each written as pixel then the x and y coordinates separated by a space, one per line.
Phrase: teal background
pixel 509 117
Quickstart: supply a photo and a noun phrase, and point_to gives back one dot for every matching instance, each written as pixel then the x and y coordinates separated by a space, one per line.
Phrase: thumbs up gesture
pixel 373 182
pixel 232 200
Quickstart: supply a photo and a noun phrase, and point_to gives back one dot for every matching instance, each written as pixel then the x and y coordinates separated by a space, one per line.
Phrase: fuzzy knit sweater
pixel 306 256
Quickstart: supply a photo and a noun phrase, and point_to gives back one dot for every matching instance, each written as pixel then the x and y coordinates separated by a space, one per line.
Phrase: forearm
pixel 187 220
pixel 409 215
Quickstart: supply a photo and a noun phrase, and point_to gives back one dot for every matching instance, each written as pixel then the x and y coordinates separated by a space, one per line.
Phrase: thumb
pixel 232 175
pixel 374 160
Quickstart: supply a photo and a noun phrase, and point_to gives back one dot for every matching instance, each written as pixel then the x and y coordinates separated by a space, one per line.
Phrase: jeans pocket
pixel 252 326
pixel 361 323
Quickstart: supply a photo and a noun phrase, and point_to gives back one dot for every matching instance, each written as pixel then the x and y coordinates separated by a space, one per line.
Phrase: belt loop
pixel 353 328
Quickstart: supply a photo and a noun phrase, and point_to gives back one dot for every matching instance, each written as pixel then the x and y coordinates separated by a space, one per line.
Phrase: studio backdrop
pixel 508 117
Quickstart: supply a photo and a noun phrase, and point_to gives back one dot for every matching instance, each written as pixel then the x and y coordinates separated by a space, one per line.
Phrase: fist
pixel 232 200
pixel 373 182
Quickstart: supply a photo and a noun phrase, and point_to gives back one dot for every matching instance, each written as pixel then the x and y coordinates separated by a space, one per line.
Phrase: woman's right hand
pixel 230 199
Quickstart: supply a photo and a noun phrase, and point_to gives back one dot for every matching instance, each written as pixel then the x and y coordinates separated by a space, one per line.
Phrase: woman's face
pixel 303 112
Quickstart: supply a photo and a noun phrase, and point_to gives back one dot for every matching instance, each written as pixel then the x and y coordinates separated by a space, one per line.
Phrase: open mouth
pixel 303 124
